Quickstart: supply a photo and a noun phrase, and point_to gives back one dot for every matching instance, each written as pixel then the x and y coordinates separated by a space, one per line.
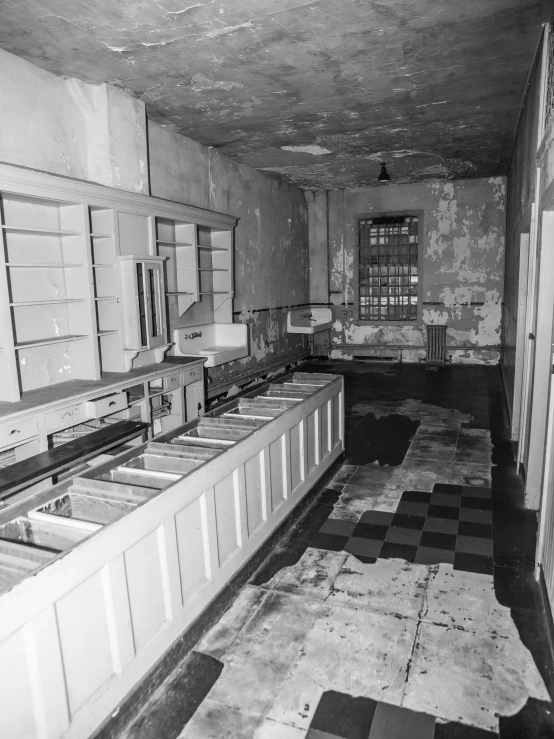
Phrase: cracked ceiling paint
pixel 431 87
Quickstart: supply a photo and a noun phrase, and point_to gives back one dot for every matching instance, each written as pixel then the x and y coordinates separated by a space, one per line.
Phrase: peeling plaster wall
pixel 179 167
pixel 271 242
pixel 68 127
pixel 271 258
pixel 462 268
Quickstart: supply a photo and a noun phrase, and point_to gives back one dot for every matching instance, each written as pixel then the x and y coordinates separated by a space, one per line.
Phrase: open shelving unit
pixel 199 267
pixel 45 295
pixel 178 242
pixel 215 337
pixel 73 300
pixel 107 292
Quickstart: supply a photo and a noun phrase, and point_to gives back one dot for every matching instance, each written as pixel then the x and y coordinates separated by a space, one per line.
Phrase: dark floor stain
pixel 534 721
pixel 385 440
pixel 168 714
pixel 461 731
pixel 290 551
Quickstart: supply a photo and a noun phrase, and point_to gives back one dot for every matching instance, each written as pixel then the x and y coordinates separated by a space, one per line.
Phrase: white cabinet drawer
pixel 105 406
pixel 14 433
pixel 65 417
pixel 193 375
pixel 170 382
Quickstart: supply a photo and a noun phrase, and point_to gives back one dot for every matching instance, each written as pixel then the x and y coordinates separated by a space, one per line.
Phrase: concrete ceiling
pixel 318 92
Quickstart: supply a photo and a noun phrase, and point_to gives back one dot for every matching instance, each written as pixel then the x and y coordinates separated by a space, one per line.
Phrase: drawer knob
pixel 15 431
pixel 112 402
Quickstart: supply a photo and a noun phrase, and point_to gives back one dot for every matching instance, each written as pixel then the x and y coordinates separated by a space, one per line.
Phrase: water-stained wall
pixel 67 127
pixel 462 267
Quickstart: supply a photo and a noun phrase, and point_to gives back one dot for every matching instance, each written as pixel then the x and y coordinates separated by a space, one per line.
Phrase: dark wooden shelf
pixel 29 471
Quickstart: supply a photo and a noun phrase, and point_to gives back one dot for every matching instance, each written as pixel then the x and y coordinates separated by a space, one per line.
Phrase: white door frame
pixel 521 338
pixel 531 293
pixel 529 351
pixel 545 539
pixel 542 364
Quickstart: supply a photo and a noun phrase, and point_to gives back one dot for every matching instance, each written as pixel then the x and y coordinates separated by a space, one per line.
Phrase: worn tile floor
pixel 403 604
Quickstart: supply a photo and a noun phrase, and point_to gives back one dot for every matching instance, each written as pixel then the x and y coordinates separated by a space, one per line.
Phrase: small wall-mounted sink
pixel 218 342
pixel 309 320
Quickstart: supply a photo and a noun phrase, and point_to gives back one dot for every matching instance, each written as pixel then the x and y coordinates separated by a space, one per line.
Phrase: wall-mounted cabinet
pixel 177 241
pixel 90 275
pixel 143 293
pixel 48 327
pixel 207 328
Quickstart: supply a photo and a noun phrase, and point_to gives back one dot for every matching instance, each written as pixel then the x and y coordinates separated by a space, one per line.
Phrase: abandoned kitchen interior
pixel 276 360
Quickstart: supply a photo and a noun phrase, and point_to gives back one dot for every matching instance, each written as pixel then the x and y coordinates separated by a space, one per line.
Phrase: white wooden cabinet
pixel 70 302
pixel 163 395
pixel 143 292
pixel 127 556
pixel 48 333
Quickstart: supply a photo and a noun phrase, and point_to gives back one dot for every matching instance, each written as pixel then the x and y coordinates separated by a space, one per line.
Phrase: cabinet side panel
pixel 254 493
pixel 324 429
pixel 226 517
pixel 312 441
pixel 16 697
pixel 296 456
pixel 278 488
pixel 134 234
pixel 145 586
pixel 85 642
pixel 335 425
pixel 192 543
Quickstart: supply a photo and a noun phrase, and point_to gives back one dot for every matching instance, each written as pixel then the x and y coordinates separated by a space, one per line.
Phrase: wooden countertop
pixel 78 389
pixel 20 475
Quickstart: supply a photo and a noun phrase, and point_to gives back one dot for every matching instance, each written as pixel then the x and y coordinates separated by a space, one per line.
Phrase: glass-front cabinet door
pixel 143 292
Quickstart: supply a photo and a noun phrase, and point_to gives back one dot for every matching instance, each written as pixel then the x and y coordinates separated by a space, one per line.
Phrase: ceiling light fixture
pixel 384 176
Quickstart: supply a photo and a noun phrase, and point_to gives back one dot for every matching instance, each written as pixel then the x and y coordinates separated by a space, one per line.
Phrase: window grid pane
pixel 388 268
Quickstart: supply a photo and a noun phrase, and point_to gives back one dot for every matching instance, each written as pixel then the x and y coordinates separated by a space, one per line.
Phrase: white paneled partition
pixel 79 632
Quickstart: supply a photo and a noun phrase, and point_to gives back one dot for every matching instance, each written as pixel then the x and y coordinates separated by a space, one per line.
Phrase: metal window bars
pixel 388 268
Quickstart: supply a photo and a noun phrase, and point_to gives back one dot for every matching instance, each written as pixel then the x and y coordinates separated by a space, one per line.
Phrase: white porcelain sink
pixel 218 342
pixel 309 320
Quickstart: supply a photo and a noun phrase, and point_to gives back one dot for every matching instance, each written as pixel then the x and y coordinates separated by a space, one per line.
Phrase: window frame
pixel 420 231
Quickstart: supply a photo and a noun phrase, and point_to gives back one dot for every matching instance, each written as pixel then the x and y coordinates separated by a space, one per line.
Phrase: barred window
pixel 387 270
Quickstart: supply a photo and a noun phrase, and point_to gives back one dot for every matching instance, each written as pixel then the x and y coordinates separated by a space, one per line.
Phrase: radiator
pixel 436 346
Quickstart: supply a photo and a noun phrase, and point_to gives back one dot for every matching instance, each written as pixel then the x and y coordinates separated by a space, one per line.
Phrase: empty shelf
pixel 43 231
pixel 63 301
pixel 51 340
pixel 172 243
pixel 43 265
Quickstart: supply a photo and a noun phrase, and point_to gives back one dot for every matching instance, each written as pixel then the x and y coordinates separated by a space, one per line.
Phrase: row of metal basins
pixel 98 499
